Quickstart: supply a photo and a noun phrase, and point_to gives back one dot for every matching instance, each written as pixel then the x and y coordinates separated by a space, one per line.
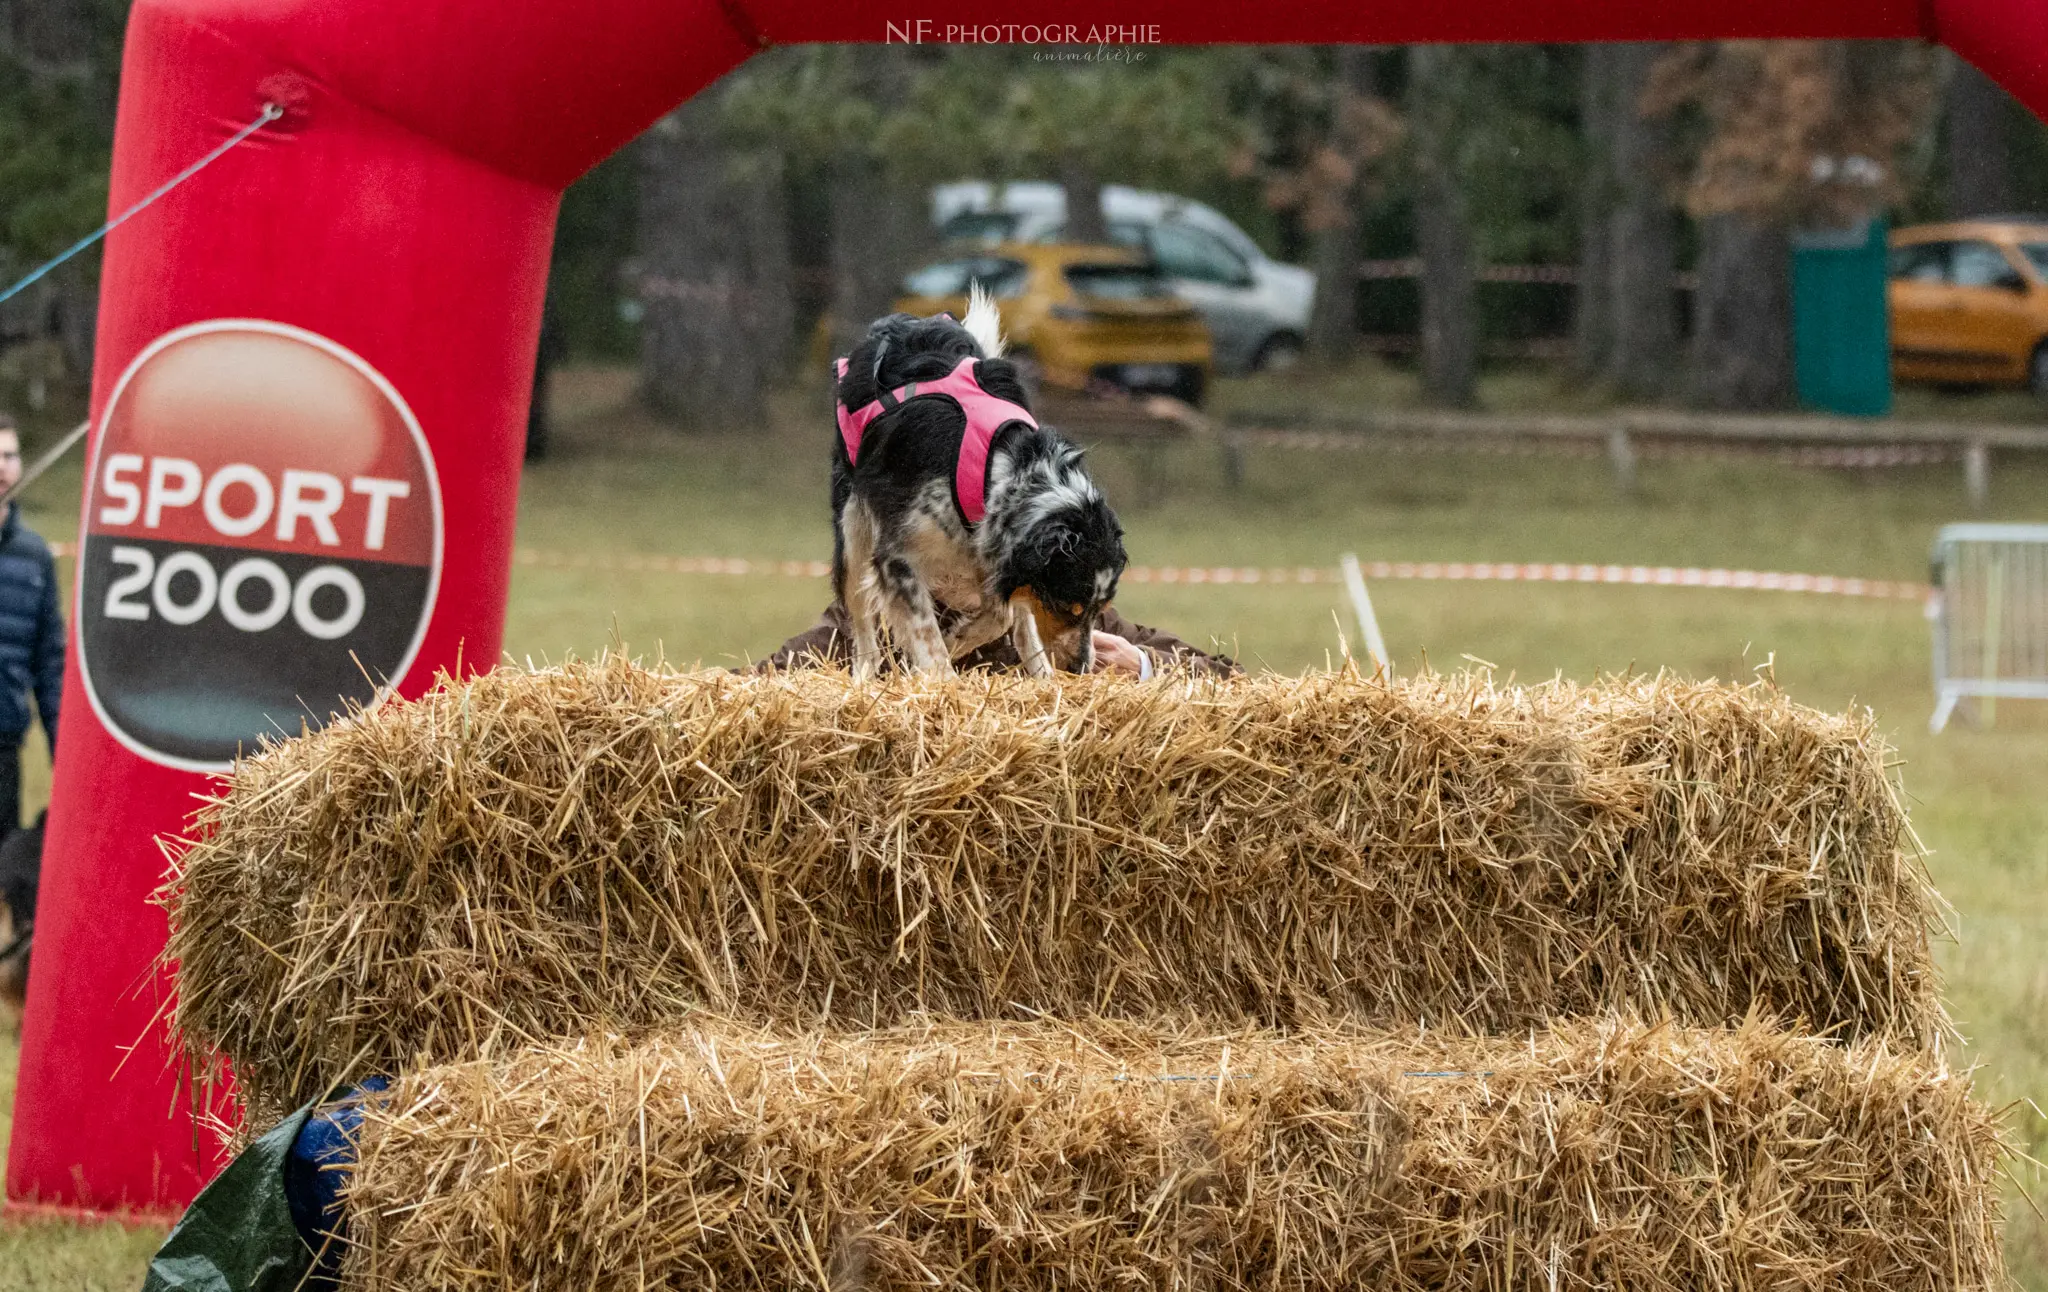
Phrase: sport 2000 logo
pixel 262 542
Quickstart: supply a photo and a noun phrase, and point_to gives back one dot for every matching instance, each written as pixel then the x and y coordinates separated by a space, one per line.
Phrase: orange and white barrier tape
pixel 1668 576
pixel 1659 576
pixel 673 564
pixel 1431 571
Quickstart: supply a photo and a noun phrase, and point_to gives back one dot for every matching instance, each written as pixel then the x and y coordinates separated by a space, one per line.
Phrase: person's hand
pixel 1114 654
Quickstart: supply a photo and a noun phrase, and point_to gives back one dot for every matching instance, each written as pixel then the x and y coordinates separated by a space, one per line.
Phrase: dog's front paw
pixel 971 635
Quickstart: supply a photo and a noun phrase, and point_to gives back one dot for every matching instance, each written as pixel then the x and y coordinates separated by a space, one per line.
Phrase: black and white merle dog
pixel 946 492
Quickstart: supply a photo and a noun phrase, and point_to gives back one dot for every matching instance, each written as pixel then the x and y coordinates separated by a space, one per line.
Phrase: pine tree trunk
pixel 771 263
pixel 1333 322
pixel 879 226
pixel 1083 184
pixel 70 48
pixel 75 316
pixel 52 37
pixel 1979 149
pixel 1642 250
pixel 1742 336
pixel 1443 231
pixel 548 356
pixel 869 238
pixel 1450 340
pixel 715 273
pixel 1592 315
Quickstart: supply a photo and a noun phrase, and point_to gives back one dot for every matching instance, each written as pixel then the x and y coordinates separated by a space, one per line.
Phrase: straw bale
pixel 1017 1157
pixel 531 856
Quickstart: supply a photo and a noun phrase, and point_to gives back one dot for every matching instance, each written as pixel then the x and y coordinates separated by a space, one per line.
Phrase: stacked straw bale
pixel 528 857
pixel 1036 1156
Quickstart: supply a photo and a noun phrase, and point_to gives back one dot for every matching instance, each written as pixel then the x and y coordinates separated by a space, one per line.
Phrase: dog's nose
pixel 1076 649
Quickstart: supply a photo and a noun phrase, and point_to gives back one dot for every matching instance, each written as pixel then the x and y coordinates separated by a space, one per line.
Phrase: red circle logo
pixel 262 541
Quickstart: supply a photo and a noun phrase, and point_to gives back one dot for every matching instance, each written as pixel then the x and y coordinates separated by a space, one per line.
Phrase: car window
pixel 1117 282
pixel 999 277
pixel 1122 233
pixel 1979 264
pixel 1127 233
pixel 948 278
pixel 980 226
pixel 1922 262
pixel 1183 252
pixel 1232 237
pixel 2038 253
pixel 1002 279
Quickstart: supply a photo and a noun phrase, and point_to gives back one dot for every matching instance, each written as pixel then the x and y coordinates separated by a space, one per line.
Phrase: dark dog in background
pixel 945 490
pixel 21 869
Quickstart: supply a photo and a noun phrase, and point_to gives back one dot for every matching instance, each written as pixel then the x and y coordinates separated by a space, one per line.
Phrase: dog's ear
pixel 890 325
pixel 1055 541
pixel 884 335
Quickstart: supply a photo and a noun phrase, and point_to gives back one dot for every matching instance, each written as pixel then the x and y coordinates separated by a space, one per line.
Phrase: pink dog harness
pixel 985 416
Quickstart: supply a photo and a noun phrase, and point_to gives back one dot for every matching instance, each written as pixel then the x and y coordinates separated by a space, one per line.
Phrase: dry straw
pixel 531 856
pixel 1019 1157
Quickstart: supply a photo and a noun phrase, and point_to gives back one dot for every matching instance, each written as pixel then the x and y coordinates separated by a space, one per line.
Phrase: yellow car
pixel 1081 314
pixel 1969 303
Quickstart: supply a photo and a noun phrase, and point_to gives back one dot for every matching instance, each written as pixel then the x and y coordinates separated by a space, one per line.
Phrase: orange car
pixel 1080 313
pixel 1969 303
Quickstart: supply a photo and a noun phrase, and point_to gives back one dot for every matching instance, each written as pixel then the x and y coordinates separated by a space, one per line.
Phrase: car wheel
pixel 2037 372
pixel 1280 353
pixel 1192 386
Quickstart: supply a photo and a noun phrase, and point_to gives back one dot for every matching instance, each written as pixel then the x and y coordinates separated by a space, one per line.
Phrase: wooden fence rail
pixel 1626 434
pixel 1623 436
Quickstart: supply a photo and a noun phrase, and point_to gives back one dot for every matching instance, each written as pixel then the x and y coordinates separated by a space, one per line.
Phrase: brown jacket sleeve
pixel 825 642
pixel 1166 650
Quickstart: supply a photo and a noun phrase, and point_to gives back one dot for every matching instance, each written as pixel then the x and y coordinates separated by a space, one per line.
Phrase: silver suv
pixel 1257 309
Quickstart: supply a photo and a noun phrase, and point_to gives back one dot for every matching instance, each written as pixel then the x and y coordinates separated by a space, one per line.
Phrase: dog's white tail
pixel 983 323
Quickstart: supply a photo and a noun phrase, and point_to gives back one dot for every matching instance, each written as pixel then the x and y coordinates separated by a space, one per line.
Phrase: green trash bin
pixel 1841 320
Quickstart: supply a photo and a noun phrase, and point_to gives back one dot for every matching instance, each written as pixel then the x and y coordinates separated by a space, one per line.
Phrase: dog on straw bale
pixel 946 490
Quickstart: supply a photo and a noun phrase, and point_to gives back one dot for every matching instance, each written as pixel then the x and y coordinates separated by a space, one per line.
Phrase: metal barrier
pixel 1990 612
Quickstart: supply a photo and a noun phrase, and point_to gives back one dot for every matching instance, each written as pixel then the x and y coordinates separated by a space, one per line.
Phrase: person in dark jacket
pixel 21 873
pixel 31 634
pixel 1120 646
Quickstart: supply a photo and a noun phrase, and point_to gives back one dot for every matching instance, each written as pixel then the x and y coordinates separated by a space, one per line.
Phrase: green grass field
pixel 621 485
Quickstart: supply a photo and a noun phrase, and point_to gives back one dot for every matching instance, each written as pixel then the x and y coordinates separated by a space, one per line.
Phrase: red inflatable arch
pixel 314 368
